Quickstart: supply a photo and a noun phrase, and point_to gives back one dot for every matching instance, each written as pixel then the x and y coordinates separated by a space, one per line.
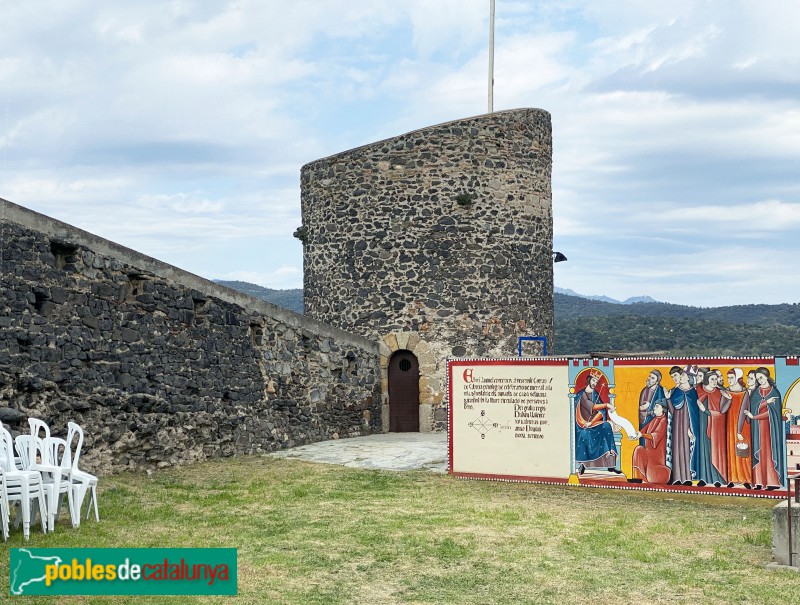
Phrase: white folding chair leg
pixel 72 509
pixel 70 506
pixel 4 513
pixel 54 503
pixel 25 511
pixel 49 509
pixel 42 510
pixel 78 495
pixel 94 501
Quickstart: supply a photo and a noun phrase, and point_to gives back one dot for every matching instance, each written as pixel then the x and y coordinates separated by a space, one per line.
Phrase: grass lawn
pixel 314 533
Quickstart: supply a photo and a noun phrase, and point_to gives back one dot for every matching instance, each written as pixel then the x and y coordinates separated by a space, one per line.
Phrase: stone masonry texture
pixel 441 238
pixel 159 366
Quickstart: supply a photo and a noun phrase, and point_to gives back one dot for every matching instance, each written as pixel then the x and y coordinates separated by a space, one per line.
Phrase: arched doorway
pixel 403 392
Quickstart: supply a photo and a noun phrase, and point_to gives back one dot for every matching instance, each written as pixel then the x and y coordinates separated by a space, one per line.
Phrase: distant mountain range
pixel 586 324
pixel 574 307
pixel 291 299
pixel 628 301
pixel 591 326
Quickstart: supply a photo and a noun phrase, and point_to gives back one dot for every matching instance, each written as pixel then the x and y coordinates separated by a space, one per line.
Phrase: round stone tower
pixel 437 243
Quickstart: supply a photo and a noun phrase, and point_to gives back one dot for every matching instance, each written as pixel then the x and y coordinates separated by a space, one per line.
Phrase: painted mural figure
pixel 740 468
pixel 766 432
pixel 650 459
pixel 714 403
pixel 696 377
pixel 651 394
pixel 594 436
pixel 682 436
pixel 703 470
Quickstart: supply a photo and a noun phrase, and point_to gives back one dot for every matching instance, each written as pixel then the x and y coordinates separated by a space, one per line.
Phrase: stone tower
pixel 437 244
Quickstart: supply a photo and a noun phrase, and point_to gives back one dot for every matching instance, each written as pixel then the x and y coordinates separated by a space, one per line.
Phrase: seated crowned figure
pixel 594 435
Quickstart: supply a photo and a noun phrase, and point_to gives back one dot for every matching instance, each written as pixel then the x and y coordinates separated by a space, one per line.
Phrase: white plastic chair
pixel 4 512
pixel 22 486
pixel 56 481
pixel 17 461
pixel 59 456
pixel 81 480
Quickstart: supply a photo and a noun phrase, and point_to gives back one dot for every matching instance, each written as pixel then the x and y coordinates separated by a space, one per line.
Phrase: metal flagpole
pixel 491 56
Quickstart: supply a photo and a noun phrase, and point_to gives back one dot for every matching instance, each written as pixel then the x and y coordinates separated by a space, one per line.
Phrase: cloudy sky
pixel 178 128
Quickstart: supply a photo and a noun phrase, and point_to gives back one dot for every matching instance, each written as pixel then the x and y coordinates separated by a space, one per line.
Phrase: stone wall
pixel 438 241
pixel 159 366
pixel 782 546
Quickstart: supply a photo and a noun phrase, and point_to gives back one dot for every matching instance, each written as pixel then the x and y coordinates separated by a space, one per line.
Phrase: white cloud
pixel 179 128
pixel 181 203
pixel 52 192
pixel 447 26
pixel 762 217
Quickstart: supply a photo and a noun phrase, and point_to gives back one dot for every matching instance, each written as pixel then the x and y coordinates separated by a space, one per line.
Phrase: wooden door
pixel 404 393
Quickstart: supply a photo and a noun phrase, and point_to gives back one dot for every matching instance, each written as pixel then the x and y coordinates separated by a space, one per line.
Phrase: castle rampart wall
pixel 160 366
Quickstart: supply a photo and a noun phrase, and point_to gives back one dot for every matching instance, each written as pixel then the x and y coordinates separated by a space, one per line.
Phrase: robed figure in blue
pixel 682 406
pixel 594 436
pixel 767 433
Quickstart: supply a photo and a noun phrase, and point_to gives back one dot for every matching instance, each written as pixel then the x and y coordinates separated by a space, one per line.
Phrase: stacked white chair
pixel 4 512
pixel 81 480
pixel 59 456
pixel 35 452
pixel 22 486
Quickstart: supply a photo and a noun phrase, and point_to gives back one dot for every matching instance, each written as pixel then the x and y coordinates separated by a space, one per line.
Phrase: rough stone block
pixel 402 340
pixel 427 359
pixel 422 347
pixel 385 418
pixel 424 383
pixel 391 342
pixel 425 418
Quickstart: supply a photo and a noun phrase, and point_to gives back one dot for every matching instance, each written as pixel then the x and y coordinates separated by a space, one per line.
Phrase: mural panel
pixel 510 419
pixel 709 425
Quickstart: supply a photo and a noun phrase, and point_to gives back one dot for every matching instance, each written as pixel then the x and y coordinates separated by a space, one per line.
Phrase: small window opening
pixel 41 298
pixel 64 253
pixel 256 335
pixel 136 280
